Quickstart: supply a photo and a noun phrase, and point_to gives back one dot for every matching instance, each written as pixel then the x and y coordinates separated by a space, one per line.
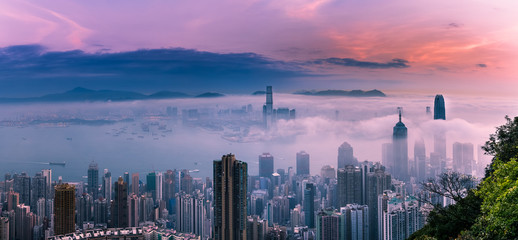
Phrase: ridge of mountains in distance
pixel 81 94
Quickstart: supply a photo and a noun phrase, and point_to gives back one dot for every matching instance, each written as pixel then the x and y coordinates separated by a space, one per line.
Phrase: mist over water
pixel 322 124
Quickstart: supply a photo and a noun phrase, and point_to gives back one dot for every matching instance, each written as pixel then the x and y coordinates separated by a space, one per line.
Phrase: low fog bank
pixel 142 136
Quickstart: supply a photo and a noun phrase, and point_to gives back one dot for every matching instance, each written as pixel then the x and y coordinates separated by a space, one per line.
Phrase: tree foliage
pixel 491 210
pixel 503 144
pixel 499 191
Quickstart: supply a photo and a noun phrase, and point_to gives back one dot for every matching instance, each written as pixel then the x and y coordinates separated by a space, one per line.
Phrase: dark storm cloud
pixel 482 65
pixel 349 62
pixel 148 69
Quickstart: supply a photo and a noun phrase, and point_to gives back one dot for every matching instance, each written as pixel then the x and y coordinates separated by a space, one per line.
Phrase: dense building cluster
pixel 357 200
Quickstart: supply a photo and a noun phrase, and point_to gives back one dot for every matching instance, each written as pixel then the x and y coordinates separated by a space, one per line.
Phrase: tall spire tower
pixel 400 153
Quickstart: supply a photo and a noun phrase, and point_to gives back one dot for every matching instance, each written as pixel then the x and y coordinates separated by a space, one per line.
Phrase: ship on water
pixel 57 163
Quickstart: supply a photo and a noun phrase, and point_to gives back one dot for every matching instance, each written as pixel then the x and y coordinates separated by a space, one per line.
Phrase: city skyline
pixel 258 120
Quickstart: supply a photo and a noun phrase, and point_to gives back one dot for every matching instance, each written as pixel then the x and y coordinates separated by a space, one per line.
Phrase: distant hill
pixel 210 95
pixel 80 94
pixel 259 93
pixel 353 93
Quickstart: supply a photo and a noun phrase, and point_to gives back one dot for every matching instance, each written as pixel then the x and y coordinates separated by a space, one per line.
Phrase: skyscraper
pixel 420 159
pixel 265 165
pixel 350 188
pixel 64 209
pixel 463 157
pixel 345 156
pixel 328 225
pixel 135 183
pixel 134 203
pixel 107 185
pixel 400 145
pixel 93 180
pixel 302 163
pixel 119 216
pixel 439 111
pixel 268 108
pixel 230 181
pixel 378 180
pixel 168 187
pixel 309 205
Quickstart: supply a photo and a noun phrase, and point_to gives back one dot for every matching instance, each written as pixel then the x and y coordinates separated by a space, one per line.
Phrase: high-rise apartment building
pixel 64 209
pixel 350 187
pixel 230 182
pixel 119 208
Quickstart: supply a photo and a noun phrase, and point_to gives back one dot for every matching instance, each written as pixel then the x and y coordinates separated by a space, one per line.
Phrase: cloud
pixel 145 69
pixel 454 25
pixel 482 65
pixel 349 62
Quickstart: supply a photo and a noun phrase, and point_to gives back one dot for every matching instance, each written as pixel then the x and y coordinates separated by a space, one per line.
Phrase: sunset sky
pixel 442 45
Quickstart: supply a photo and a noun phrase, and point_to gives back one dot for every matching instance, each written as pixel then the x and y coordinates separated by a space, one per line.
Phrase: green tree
pixel 503 144
pixel 499 191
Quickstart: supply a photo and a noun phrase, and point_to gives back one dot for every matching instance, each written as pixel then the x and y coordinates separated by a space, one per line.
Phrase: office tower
pixel 100 211
pixel 135 183
pixel 4 228
pixel 378 180
pixel 349 185
pixel 64 209
pixel 354 222
pixel 107 185
pixel 265 165
pixel 309 205
pixel 168 187
pixel 119 216
pixel 134 203
pixel 13 199
pixel 302 163
pixel 22 185
pixel 439 111
pixel 439 134
pixel 328 172
pixel 151 184
pixel 400 146
pixel 268 108
pixel 328 225
pixel 345 156
pixel 420 159
pixel 463 158
pixel 93 180
pixel 230 181
pixel 47 173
